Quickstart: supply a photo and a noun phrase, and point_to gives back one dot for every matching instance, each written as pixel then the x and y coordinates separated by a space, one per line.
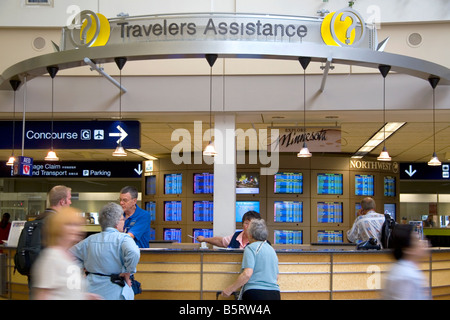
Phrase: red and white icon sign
pixel 26 169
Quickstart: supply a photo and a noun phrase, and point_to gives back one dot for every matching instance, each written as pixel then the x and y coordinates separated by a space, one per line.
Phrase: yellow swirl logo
pixel 341 28
pixel 93 29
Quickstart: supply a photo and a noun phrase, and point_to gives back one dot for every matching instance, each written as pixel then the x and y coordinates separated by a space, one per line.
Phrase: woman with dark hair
pixel 239 239
pixel 405 281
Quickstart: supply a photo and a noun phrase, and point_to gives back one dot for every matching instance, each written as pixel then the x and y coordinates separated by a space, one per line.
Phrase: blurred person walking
pixel 405 281
pixel 56 274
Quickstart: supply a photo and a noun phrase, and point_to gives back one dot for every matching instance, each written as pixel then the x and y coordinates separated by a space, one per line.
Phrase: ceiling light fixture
pixel 14 84
pixel 385 132
pixel 304 151
pixel 384 155
pixel 51 155
pixel 210 150
pixel 120 151
pixel 142 154
pixel 434 161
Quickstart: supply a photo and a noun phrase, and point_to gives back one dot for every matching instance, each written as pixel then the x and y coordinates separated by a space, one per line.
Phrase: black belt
pixel 115 278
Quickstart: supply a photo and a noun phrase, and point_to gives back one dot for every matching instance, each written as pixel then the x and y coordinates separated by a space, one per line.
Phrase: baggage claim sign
pixel 72 135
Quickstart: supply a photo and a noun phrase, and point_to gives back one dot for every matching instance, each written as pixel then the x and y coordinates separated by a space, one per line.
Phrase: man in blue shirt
pixel 137 220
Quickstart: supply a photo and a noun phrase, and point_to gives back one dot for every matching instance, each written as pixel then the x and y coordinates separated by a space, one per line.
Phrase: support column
pixel 224 222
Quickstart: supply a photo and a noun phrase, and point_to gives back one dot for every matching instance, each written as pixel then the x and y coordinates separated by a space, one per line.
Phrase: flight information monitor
pixel 329 212
pixel 152 234
pixel 243 206
pixel 288 211
pixel 173 183
pixel 330 236
pixel 357 208
pixel 364 185
pixel 329 183
pixel 203 183
pixel 247 183
pixel 389 186
pixel 172 234
pixel 288 236
pixel 150 207
pixel 172 210
pixel 203 210
pixel 150 185
pixel 389 208
pixel 207 233
pixel 288 182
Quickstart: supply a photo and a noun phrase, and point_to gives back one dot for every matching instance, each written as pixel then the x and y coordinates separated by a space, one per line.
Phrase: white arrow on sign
pixel 122 134
pixel 138 170
pixel 410 172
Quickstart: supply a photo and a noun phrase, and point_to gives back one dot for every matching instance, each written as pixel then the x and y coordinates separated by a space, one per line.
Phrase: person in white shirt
pixel 405 280
pixel 368 223
pixel 56 275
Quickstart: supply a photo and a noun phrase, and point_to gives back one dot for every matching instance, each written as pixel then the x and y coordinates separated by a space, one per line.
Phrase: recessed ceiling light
pixel 378 138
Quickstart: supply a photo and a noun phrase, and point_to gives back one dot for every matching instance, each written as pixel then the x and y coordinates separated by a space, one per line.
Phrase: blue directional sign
pixel 422 171
pixel 72 134
pixel 75 169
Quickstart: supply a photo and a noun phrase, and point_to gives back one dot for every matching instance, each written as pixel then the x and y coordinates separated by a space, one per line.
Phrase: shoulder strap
pixel 260 246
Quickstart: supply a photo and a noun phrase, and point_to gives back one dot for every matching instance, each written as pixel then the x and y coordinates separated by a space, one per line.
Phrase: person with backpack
pixel 368 223
pixel 30 241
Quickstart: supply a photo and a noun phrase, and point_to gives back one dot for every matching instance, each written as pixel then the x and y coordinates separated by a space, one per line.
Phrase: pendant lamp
pixel 304 152
pixel 51 155
pixel 210 150
pixel 434 161
pixel 120 151
pixel 14 84
pixel 384 155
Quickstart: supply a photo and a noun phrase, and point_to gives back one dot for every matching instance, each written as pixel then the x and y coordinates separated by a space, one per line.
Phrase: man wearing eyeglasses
pixel 137 220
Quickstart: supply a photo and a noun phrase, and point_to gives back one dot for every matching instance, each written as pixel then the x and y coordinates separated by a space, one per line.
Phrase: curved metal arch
pixel 37 66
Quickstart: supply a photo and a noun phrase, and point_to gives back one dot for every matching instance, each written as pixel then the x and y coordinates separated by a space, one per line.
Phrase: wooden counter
pixel 306 272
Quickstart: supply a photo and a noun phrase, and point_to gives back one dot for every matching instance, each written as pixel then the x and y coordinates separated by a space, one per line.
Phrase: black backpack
pixel 29 246
pixel 387 232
